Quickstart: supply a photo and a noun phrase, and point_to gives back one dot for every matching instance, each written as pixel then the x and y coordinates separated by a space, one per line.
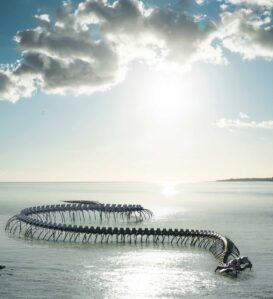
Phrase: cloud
pixel 252 2
pixel 167 35
pixel 200 2
pixel 248 32
pixel 89 48
pixel 243 115
pixel 243 122
pixel 13 87
pixel 44 19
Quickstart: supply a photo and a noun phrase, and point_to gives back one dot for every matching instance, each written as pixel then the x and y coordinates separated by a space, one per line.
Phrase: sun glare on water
pixel 169 189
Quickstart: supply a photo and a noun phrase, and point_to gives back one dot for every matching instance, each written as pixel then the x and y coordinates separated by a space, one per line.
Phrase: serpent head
pixel 235 266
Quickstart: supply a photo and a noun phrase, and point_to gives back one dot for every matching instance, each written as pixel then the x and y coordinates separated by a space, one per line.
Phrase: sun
pixel 168 97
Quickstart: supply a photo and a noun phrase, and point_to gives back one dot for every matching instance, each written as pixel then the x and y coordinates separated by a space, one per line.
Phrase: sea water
pixel 241 211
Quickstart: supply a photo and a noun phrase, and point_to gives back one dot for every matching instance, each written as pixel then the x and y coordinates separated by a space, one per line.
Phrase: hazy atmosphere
pixel 135 90
pixel 136 149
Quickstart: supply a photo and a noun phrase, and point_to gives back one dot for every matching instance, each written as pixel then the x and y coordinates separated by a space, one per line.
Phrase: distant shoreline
pixel 247 180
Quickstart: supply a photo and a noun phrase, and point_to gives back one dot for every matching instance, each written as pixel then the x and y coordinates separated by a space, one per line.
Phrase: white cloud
pixel 172 35
pixel 243 122
pixel 243 115
pixel 247 32
pixel 44 18
pixel 14 87
pixel 252 2
pixel 89 49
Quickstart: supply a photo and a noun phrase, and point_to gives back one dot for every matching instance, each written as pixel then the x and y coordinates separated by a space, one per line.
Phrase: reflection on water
pixel 168 189
pixel 242 211
pixel 151 273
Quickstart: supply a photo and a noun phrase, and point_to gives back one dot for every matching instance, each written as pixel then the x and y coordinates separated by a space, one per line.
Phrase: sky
pixel 131 90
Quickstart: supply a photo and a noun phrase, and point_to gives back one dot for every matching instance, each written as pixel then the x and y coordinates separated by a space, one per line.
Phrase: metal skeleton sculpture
pixel 57 223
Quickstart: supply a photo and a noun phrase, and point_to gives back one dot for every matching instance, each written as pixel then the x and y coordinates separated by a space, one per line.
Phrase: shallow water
pixel 241 211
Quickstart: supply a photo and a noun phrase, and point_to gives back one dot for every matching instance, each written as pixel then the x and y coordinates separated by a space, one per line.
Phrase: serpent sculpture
pixel 57 223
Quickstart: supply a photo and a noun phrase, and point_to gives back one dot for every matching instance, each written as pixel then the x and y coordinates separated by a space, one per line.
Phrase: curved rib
pixel 40 223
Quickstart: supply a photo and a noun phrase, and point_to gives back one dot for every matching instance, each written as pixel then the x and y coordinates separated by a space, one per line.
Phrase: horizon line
pixel 114 181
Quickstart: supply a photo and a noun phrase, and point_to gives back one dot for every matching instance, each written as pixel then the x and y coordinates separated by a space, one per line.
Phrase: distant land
pixel 247 180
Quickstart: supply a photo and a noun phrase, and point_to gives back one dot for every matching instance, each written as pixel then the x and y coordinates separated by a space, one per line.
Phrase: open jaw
pixel 58 223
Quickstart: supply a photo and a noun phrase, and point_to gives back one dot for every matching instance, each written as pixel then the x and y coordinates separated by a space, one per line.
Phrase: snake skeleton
pixel 58 223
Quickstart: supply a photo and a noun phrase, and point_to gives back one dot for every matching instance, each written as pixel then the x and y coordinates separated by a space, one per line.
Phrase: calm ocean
pixel 241 211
